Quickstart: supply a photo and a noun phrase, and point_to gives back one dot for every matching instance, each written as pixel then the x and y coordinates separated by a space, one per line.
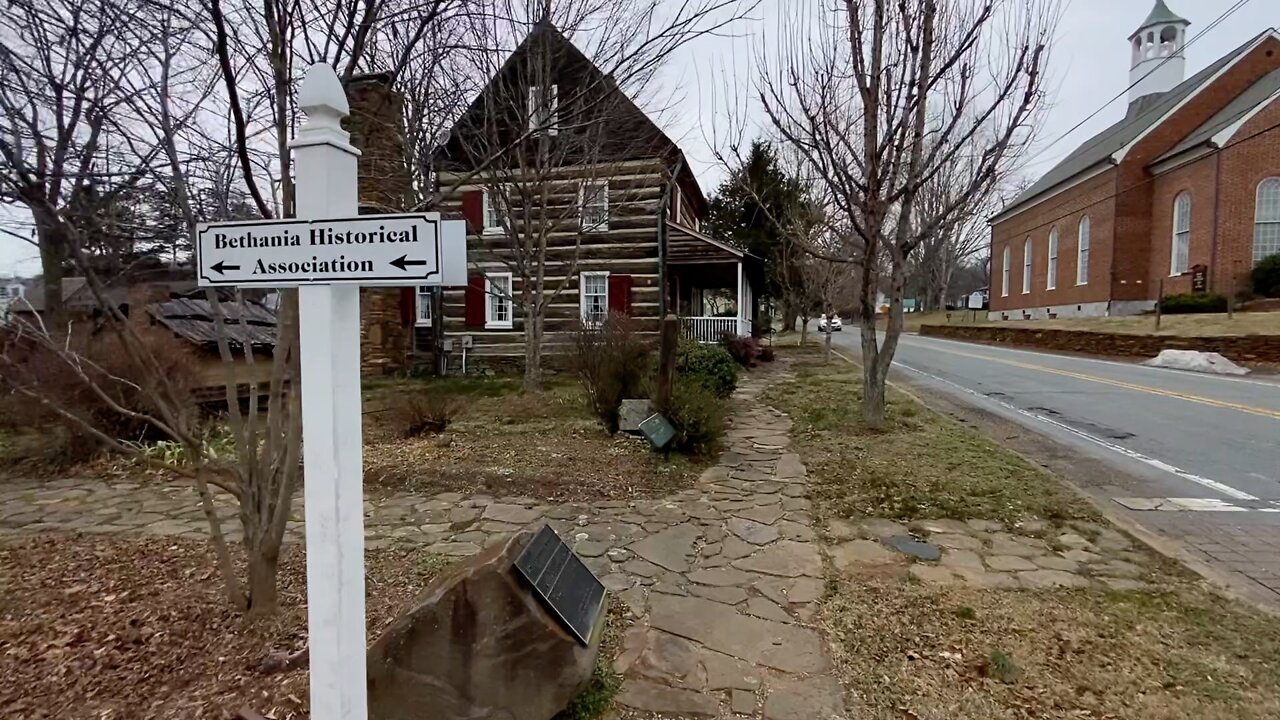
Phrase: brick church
pixel 1182 194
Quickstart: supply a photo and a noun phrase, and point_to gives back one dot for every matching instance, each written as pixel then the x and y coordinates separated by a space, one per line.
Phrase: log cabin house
pixel 581 171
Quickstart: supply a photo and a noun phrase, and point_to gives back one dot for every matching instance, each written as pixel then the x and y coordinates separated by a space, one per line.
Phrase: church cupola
pixel 1159 57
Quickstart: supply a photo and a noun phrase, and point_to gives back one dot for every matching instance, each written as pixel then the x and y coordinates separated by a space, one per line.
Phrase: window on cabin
pixel 544 109
pixel 497 288
pixel 594 199
pixel 594 298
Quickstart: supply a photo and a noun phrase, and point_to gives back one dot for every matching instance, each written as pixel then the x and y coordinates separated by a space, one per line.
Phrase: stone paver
pixel 721 579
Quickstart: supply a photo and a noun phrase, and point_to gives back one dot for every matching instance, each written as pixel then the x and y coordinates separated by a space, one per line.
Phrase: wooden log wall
pixel 628 247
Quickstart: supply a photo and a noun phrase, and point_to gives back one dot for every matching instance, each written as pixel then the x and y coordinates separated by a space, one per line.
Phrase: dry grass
pixel 915 651
pixel 1257 323
pixel 909 651
pixel 506 442
pixel 923 466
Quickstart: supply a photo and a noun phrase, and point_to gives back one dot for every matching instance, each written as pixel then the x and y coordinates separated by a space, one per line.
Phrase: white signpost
pixel 975 301
pixel 328 251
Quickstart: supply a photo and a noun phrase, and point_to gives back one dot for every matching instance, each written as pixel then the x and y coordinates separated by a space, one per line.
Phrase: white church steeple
pixel 1159 58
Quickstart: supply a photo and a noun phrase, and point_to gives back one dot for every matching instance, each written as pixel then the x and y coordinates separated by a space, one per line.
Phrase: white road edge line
pixel 1131 454
pixel 1134 366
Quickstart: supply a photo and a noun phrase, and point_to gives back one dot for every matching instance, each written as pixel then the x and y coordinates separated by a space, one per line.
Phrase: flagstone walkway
pixel 722 580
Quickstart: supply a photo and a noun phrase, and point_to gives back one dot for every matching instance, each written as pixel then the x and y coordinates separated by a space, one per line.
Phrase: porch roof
pixel 686 245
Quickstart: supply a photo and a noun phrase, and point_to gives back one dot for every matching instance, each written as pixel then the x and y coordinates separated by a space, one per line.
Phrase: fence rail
pixel 712 329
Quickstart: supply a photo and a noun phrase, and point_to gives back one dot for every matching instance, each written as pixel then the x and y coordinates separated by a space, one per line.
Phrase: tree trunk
pixel 532 349
pixel 804 330
pixel 53 252
pixel 830 333
pixel 872 396
pixel 789 314
pixel 264 599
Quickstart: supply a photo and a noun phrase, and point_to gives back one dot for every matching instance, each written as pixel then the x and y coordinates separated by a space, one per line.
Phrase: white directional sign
pixel 416 249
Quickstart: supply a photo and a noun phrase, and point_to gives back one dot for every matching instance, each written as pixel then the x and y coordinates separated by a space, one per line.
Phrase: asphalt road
pixel 1192 435
pixel 1211 442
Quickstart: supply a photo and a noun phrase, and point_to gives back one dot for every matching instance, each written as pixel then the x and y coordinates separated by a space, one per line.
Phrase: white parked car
pixel 834 324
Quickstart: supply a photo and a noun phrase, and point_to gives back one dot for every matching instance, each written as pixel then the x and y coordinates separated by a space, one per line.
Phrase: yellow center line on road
pixel 1262 412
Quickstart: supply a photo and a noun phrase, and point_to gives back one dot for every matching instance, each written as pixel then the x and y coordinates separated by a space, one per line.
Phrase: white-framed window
pixel 1266 220
pixel 1082 252
pixel 593 202
pixel 593 297
pixel 1051 271
pixel 1026 267
pixel 423 298
pixel 1005 259
pixel 1180 250
pixel 494 207
pixel 544 108
pixel 497 306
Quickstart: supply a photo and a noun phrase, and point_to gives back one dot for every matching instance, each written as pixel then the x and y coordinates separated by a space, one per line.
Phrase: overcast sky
pixel 1090 65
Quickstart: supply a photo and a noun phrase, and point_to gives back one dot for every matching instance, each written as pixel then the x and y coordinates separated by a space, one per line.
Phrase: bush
pixel 32 367
pixel 612 362
pixel 427 412
pixel 710 365
pixel 697 415
pixel 743 348
pixel 1266 277
pixel 1191 303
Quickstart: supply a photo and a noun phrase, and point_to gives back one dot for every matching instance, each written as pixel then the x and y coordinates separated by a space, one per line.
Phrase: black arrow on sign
pixel 402 263
pixel 222 265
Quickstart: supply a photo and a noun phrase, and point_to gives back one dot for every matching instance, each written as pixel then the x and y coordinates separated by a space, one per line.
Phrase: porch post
pixel 741 320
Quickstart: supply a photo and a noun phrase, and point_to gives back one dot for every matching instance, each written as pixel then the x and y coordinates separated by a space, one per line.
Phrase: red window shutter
pixel 620 294
pixel 475 300
pixel 473 210
pixel 408 306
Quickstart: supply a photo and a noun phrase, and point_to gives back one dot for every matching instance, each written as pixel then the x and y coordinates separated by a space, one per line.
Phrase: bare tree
pixel 881 97
pixel 65 139
pixel 549 137
pixel 102 97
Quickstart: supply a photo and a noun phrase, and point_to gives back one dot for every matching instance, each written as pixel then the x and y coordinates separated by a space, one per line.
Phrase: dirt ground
pixel 913 650
pixel 504 442
pixel 104 627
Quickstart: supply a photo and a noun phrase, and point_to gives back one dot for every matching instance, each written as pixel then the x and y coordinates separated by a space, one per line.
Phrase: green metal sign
pixel 657 430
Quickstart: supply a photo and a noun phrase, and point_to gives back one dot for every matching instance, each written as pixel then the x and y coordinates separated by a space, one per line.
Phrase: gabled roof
pixel 193 320
pixel 570 55
pixel 1267 88
pixel 1142 116
pixel 1160 15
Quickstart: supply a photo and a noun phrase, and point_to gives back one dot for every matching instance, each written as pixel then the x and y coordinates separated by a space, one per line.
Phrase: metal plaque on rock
pixel 564 584
pixel 658 430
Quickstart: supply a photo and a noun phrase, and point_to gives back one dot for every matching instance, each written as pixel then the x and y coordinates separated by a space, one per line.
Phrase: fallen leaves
pixel 110 627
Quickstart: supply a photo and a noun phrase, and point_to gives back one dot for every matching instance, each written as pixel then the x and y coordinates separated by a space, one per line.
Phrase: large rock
pixel 632 413
pixel 477 644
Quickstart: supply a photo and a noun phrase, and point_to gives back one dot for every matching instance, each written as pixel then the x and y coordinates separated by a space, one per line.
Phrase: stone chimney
pixel 376 125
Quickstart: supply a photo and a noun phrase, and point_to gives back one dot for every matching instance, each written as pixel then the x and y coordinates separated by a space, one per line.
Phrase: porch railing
pixel 711 329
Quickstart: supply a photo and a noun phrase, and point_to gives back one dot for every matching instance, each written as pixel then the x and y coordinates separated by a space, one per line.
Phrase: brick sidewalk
pixel 1244 546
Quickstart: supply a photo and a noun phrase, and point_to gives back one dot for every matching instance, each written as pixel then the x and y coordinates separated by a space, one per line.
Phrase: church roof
pixel 1266 89
pixel 1160 15
pixel 1144 114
